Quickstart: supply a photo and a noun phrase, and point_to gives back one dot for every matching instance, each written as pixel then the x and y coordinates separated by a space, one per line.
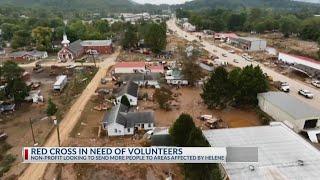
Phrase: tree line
pixel 44 33
pixel 304 24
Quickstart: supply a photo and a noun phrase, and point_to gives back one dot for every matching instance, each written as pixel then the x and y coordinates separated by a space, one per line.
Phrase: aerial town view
pixel 168 78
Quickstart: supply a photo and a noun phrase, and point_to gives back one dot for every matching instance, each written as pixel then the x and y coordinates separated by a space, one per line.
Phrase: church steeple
pixel 65 42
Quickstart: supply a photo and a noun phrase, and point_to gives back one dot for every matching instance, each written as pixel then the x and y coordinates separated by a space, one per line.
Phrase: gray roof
pixel 139 77
pixel 18 53
pixel 130 88
pixel 279 149
pixel 119 114
pixel 161 138
pixel 206 67
pixel 34 53
pixel 291 105
pixel 96 43
pixel 251 39
pixel 75 46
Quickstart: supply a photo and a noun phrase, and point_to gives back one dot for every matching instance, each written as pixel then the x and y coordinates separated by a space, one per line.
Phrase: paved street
pixel 36 171
pixel 295 85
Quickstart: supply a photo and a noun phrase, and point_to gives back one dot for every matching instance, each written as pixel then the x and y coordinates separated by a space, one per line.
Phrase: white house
pixel 131 91
pixel 287 109
pixel 130 67
pixel 147 79
pixel 175 77
pixel 119 121
pixel 188 27
pixel 282 154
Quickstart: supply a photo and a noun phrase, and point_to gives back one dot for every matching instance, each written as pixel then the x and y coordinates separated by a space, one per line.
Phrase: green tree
pixel 185 134
pixel 21 38
pixel 11 71
pixel 42 37
pixel 250 82
pixel 289 24
pixel 125 101
pixel 216 92
pixel 156 37
pixel 162 96
pixel 16 88
pixel 8 30
pixel 101 26
pixel 130 38
pixel 191 71
pixel 52 108
pixel 310 29
pixel 181 129
pixel 196 138
pixel 236 21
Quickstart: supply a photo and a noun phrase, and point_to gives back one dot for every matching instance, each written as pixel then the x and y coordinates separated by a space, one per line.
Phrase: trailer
pixel 60 83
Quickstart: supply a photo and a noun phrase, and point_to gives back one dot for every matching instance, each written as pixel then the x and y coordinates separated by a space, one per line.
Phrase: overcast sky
pixel 161 1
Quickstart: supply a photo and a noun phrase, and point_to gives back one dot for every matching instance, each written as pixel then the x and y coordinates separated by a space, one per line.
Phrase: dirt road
pixel 295 85
pixel 36 171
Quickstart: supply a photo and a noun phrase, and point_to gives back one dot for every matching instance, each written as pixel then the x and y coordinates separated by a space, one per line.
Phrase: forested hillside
pixel 240 4
pixel 94 4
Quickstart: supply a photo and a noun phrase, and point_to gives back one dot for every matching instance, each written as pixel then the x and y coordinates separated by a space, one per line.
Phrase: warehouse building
pixel 249 43
pixel 306 65
pixel 285 108
pixel 282 154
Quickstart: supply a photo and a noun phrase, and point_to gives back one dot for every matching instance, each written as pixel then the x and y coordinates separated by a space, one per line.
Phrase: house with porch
pixel 119 121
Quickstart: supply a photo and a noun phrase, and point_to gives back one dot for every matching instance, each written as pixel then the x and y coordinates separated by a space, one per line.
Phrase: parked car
pixel 224 55
pixel 3 136
pixel 316 83
pixel 236 60
pixel 231 51
pixel 305 93
pixel 282 86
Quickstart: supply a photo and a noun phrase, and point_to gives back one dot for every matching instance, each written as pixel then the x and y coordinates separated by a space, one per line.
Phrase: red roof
pixel 156 68
pixel 130 64
pixel 303 58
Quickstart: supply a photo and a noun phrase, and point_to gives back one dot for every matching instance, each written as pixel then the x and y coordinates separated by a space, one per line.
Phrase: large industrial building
pixel 296 114
pixel 300 63
pixel 282 154
pixel 249 43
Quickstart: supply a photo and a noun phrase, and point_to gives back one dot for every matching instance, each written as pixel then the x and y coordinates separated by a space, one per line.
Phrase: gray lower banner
pixel 242 154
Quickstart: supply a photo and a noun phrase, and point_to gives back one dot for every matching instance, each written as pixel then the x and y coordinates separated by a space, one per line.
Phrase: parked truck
pixel 282 86
pixel 60 83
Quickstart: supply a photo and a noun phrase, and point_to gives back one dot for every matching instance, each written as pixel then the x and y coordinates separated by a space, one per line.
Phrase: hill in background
pixel 239 4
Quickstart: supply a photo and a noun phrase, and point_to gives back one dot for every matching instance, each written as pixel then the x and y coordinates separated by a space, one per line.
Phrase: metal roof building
pixel 282 154
pixel 285 108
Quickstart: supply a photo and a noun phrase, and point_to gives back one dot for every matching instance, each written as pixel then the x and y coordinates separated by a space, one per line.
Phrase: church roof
pixel 75 47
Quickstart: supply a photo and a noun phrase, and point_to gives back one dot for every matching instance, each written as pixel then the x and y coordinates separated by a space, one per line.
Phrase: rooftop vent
pixel 251 167
pixel 300 163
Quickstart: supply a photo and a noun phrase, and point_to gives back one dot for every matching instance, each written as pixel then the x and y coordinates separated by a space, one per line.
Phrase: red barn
pixel 78 48
pixel 97 46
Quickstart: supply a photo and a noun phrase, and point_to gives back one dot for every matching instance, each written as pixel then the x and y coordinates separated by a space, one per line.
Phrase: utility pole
pixel 58 132
pixel 34 140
